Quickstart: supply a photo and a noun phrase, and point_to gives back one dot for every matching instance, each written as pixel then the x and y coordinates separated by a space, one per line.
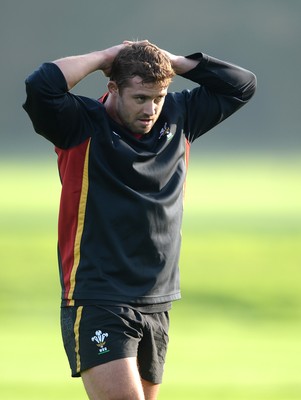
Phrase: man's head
pixel 142 59
pixel 140 76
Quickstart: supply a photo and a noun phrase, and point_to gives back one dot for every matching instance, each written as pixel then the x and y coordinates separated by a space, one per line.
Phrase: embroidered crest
pixel 165 131
pixel 100 339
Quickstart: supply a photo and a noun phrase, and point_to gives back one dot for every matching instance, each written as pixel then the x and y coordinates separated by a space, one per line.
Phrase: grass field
pixel 235 335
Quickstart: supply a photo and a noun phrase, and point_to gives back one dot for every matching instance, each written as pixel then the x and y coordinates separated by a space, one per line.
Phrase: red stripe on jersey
pixel 187 150
pixel 73 164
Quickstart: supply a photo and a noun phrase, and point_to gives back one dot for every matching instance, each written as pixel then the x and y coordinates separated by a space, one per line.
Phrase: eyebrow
pixel 147 96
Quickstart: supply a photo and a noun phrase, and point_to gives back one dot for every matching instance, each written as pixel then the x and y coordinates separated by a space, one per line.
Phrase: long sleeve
pixel 223 89
pixel 56 114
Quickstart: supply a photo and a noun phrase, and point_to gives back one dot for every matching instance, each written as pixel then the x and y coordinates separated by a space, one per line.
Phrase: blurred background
pixel 263 36
pixel 236 332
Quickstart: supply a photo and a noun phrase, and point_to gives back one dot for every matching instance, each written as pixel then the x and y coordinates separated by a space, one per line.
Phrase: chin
pixel 147 130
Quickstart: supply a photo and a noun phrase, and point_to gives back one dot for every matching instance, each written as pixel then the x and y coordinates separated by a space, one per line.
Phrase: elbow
pixel 250 87
pixel 32 91
pixel 29 103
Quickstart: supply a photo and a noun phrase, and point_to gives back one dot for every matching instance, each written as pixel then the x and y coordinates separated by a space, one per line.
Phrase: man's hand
pixel 112 52
pixel 108 56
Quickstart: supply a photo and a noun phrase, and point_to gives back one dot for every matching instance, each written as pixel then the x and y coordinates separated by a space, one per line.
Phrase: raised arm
pixel 223 89
pixel 181 64
pixel 76 68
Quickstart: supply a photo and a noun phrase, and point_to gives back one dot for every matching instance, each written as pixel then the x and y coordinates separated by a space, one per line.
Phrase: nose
pixel 150 108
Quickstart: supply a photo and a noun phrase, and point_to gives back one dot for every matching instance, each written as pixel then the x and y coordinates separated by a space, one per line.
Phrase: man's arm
pixel 181 64
pixel 76 68
pixel 222 77
pixel 223 89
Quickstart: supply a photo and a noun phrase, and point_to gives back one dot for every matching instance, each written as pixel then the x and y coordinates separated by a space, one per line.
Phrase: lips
pixel 146 121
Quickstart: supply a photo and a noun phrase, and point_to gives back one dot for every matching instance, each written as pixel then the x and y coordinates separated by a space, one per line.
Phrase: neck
pixel 110 107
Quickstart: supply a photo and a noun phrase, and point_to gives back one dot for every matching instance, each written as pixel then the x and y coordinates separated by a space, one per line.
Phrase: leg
pixel 115 380
pixel 151 390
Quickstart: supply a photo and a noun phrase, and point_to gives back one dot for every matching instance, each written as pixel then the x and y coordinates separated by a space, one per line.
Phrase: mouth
pixel 146 121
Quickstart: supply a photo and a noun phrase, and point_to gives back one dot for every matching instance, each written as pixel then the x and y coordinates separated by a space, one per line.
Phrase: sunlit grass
pixel 236 332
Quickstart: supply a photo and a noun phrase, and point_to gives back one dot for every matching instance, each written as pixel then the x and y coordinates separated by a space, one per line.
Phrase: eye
pixel 159 99
pixel 140 99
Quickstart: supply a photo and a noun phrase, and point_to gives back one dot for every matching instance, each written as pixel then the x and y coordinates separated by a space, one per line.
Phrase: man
pixel 122 162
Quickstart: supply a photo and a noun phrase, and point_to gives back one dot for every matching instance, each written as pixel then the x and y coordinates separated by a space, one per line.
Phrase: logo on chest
pixel 165 131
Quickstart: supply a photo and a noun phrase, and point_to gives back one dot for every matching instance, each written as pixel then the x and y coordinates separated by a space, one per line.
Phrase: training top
pixel 119 229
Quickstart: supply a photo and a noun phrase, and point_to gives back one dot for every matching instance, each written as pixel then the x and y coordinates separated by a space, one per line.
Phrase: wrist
pixel 181 64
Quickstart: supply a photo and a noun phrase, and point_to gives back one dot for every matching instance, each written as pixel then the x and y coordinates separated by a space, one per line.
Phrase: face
pixel 138 105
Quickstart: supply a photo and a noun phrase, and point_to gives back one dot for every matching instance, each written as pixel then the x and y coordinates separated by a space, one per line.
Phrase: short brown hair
pixel 144 60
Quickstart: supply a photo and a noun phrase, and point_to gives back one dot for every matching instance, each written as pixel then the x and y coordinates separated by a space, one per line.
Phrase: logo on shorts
pixel 100 339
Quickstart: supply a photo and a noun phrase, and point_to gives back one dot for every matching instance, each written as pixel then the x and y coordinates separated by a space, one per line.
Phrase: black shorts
pixel 95 335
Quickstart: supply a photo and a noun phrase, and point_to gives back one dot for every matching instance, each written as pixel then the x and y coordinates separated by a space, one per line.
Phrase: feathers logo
pixel 100 339
pixel 165 131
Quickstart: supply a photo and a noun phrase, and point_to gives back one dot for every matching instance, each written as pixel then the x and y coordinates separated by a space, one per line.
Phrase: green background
pixel 236 332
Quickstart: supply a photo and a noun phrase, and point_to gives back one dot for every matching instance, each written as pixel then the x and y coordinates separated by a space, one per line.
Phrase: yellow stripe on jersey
pixel 76 336
pixel 80 225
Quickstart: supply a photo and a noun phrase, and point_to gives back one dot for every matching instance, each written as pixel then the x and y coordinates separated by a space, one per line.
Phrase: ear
pixel 112 87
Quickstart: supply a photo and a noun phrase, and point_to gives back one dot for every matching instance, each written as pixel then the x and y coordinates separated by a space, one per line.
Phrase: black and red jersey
pixel 121 207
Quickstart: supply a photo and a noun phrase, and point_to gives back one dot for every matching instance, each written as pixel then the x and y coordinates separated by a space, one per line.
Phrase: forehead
pixel 135 85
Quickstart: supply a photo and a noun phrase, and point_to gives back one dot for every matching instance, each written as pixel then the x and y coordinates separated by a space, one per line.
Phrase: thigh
pixel 115 380
pixel 151 390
